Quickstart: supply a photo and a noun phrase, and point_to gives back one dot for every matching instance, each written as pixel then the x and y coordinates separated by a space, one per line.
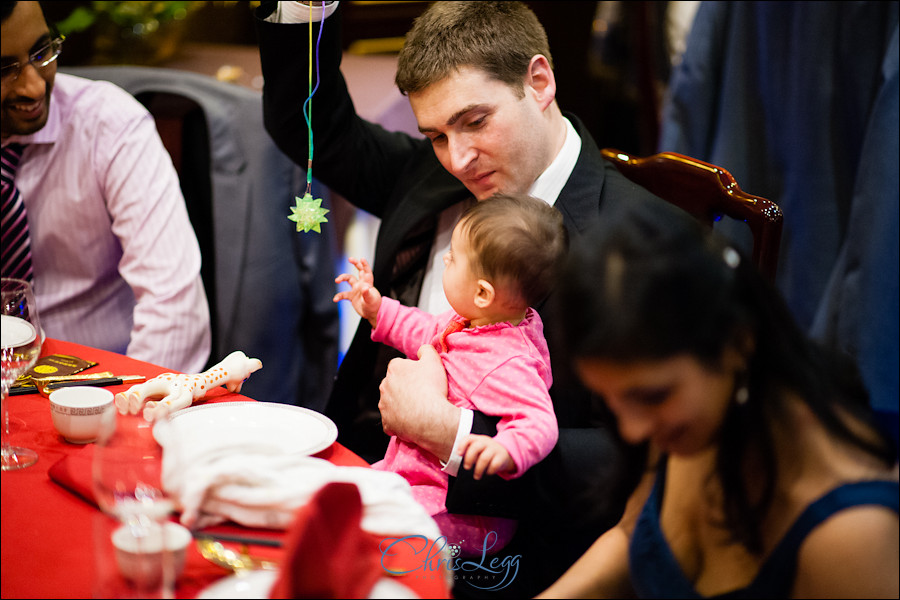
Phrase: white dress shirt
pixel 116 261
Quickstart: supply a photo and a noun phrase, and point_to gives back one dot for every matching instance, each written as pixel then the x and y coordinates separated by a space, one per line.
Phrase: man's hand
pixel 485 455
pixel 414 404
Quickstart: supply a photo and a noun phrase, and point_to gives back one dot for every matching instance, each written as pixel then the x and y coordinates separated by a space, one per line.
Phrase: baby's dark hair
pixel 516 241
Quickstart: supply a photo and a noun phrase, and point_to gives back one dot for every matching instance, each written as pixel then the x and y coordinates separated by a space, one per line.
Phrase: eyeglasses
pixel 39 59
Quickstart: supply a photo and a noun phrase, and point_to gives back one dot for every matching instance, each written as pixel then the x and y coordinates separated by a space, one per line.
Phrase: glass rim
pixel 13 282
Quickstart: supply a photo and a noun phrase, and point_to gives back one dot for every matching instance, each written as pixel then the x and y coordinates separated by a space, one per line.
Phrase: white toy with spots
pixel 176 391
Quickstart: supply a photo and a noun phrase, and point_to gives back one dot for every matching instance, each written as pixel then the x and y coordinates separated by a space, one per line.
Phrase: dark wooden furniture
pixel 708 192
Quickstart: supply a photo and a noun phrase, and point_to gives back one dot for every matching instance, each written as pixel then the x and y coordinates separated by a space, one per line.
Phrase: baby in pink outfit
pixel 502 259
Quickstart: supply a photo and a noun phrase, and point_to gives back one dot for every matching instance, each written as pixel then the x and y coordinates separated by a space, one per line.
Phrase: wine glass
pixel 127 484
pixel 127 467
pixel 20 347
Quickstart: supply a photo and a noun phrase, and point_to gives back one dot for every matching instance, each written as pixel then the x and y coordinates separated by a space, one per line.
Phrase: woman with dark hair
pixel 767 476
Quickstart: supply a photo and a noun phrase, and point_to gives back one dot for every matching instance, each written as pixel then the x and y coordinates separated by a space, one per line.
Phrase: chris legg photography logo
pixel 484 573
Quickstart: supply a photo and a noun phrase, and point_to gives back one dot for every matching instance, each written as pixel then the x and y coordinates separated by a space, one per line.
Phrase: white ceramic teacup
pixel 139 551
pixel 78 412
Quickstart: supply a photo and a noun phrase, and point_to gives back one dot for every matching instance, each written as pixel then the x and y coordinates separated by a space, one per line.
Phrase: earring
pixel 741 387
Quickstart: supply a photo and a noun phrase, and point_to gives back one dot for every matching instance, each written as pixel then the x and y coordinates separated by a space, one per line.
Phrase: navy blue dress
pixel 655 573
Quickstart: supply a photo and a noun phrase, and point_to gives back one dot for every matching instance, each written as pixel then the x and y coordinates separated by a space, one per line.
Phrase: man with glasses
pixel 93 213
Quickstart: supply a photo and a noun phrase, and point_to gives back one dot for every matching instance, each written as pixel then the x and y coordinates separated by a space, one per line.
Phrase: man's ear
pixel 484 294
pixel 541 81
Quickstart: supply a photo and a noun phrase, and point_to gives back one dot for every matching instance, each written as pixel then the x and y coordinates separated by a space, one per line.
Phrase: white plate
pixel 15 331
pixel 276 428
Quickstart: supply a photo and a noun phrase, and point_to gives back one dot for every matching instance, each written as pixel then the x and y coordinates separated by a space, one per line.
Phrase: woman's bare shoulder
pixel 854 553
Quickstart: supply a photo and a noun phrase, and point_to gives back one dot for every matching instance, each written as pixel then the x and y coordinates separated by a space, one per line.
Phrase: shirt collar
pixel 551 182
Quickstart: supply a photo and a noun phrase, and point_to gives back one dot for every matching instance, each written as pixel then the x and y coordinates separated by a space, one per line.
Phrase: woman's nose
pixel 635 429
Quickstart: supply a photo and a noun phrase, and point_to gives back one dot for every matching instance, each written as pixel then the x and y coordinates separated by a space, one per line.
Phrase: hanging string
pixel 308 213
pixel 307 105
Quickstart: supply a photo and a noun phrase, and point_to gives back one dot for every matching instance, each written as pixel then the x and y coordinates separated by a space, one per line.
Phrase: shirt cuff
pixel 451 467
pixel 294 12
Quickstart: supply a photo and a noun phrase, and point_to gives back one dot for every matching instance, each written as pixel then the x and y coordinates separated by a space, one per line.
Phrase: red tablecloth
pixel 47 542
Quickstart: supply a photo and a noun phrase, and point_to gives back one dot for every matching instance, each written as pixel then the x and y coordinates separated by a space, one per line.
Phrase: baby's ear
pixel 484 294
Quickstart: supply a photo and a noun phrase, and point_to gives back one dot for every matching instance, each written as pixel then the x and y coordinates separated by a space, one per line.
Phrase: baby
pixel 504 252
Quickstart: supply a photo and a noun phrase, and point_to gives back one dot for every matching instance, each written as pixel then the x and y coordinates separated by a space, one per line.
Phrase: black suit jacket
pixel 398 178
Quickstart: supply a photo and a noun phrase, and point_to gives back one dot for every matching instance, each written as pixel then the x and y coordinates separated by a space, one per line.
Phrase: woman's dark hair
pixel 649 282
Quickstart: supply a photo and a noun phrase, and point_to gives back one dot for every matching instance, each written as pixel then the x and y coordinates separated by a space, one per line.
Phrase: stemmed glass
pixel 127 467
pixel 20 347
pixel 127 484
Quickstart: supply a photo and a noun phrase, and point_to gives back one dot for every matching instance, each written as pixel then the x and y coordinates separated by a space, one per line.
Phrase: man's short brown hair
pixel 499 38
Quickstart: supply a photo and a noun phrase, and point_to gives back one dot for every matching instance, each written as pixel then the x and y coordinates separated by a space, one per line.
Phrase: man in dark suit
pixel 480 81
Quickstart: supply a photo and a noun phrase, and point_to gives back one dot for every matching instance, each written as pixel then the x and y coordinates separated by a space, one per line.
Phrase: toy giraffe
pixel 176 391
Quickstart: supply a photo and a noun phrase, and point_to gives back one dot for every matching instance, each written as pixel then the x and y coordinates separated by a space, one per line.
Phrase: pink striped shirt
pixel 116 261
pixel 499 369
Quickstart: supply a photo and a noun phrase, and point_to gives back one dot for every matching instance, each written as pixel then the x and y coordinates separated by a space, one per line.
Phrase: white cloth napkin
pixel 259 486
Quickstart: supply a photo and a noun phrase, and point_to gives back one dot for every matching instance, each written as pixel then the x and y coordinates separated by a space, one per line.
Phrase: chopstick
pixel 237 538
pixel 21 390
pixel 45 385
pixel 95 382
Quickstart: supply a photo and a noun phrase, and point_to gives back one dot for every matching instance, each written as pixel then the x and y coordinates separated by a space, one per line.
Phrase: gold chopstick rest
pixel 52 378
pixel 33 385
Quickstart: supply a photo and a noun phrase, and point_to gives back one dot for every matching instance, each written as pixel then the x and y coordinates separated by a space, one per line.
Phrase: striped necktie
pixel 16 253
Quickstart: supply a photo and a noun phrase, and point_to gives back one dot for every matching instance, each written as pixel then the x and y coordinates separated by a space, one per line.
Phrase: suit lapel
pixel 430 191
pixel 579 200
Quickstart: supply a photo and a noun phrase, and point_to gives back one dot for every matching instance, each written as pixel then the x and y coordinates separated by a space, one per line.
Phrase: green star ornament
pixel 308 213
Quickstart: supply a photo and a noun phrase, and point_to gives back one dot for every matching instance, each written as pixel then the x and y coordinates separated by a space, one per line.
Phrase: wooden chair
pixel 707 192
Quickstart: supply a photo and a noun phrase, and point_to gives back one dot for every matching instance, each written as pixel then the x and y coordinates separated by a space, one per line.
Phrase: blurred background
pixel 612 61
pixel 797 100
pixel 612 58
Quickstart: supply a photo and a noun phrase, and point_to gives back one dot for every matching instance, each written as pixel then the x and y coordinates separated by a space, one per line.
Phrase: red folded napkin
pixel 74 472
pixel 327 554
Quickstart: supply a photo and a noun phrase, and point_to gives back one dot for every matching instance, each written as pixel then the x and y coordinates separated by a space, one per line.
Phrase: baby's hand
pixel 486 455
pixel 366 300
